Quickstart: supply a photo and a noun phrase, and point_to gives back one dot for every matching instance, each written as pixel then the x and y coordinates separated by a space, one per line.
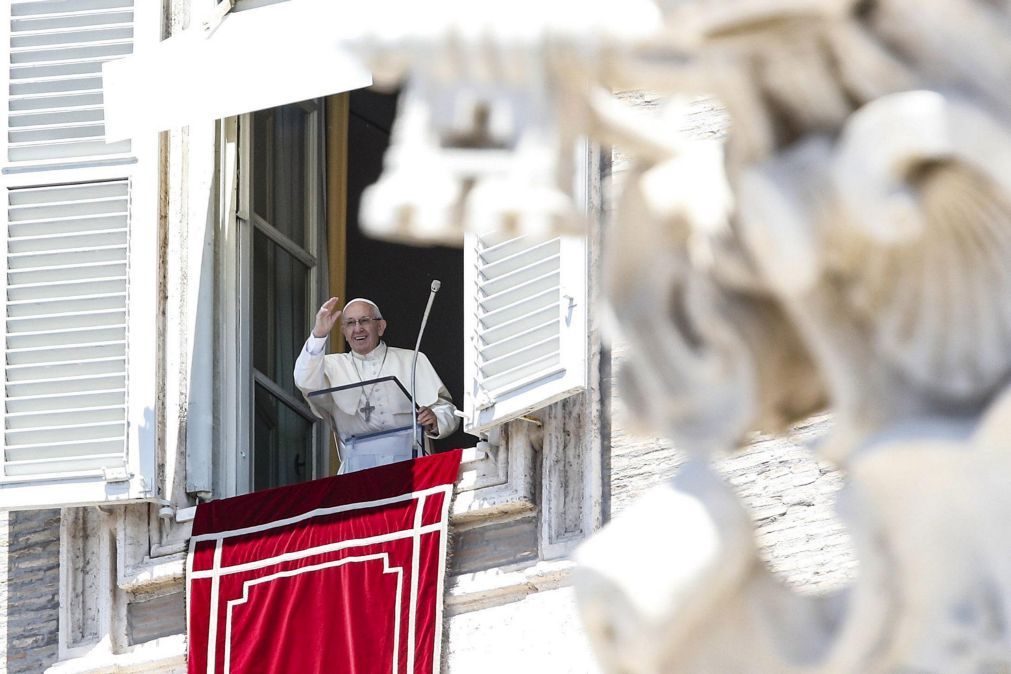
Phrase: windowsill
pixel 153 573
pixel 484 589
pixel 167 654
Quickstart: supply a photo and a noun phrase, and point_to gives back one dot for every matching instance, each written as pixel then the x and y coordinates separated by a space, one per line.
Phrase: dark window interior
pixel 395 276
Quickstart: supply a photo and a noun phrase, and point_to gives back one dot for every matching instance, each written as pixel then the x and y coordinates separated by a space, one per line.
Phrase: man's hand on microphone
pixel 326 317
pixel 428 421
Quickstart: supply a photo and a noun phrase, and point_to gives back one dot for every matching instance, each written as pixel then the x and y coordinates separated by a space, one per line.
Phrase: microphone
pixel 414 366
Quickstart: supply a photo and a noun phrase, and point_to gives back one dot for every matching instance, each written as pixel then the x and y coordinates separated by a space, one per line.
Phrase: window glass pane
pixel 280 311
pixel 279 169
pixel 282 443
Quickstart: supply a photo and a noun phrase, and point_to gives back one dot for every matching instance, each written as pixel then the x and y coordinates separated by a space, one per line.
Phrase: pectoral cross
pixel 366 409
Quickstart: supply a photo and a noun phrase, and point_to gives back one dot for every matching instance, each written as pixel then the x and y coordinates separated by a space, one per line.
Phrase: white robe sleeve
pixel 309 371
pixel 443 407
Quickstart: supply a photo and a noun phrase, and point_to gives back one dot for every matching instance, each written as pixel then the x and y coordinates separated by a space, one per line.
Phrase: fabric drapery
pixel 343 574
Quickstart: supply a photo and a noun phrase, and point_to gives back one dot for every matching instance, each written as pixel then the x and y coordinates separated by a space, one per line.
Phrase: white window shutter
pixel 525 317
pixel 79 253
pixel 54 102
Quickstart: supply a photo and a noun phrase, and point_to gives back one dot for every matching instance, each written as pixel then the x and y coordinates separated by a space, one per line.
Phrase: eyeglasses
pixel 364 322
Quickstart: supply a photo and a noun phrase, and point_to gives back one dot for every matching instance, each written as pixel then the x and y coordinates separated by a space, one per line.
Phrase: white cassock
pixel 375 407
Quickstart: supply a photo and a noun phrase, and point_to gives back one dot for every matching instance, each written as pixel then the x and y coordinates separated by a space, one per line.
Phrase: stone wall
pixel 29 590
pixel 787 490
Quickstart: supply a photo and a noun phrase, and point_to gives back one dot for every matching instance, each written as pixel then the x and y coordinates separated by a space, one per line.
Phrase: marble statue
pixel 846 246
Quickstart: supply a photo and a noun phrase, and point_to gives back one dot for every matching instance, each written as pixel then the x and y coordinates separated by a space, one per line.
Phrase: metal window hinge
pixel 570 308
pixel 484 400
pixel 217 15
pixel 169 511
pixel 119 474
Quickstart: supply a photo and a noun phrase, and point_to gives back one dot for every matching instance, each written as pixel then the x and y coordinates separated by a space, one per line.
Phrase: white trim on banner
pixel 415 533
pixel 397 608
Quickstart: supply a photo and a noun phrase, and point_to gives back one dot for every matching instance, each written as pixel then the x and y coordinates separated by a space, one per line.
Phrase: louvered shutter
pixel 525 313
pixel 78 245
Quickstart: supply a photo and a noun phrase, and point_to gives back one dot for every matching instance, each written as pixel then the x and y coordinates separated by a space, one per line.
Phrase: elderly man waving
pixel 372 407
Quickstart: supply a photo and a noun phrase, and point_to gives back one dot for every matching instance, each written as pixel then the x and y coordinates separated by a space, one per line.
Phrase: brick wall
pixel 29 590
pixel 788 492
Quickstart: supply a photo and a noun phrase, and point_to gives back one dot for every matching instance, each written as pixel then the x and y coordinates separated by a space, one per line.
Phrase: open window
pixel 508 331
pixel 79 246
pixel 301 169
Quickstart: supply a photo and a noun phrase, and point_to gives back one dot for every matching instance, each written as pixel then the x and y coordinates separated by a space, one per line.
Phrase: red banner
pixel 343 574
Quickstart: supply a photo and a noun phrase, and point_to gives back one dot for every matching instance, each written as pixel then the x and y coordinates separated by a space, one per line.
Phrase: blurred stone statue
pixel 846 246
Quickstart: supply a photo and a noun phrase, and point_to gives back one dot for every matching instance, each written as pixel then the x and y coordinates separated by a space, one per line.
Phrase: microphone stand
pixel 414 367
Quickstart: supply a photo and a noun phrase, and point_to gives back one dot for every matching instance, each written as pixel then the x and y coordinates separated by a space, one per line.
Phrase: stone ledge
pixel 484 589
pixel 166 656
pixel 153 574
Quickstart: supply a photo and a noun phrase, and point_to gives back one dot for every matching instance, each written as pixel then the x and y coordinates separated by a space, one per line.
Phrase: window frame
pixel 233 460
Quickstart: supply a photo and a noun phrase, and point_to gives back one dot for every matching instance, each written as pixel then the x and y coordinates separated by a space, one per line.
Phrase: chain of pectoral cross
pixel 367 409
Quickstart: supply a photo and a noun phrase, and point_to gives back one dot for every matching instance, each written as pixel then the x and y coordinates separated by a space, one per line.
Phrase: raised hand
pixel 327 317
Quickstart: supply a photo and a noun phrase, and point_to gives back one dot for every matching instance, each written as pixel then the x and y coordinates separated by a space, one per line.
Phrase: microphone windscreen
pixel 436 285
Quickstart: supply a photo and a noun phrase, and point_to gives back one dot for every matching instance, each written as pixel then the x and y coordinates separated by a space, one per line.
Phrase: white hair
pixel 375 307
